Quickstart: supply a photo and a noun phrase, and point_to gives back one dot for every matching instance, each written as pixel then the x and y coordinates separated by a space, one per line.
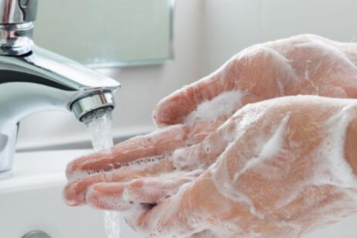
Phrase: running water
pixel 99 125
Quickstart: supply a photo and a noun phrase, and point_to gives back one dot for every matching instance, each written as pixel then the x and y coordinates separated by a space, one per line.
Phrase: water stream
pixel 99 124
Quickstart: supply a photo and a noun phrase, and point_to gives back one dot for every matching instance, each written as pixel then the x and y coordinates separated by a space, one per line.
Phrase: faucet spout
pixel 41 81
pixel 33 79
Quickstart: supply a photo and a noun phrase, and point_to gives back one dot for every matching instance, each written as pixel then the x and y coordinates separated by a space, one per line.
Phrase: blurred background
pixel 192 38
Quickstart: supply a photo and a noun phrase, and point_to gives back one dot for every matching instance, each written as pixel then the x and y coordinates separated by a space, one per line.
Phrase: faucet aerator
pixel 81 107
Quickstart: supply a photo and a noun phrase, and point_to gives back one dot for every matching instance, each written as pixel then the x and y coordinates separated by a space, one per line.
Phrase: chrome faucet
pixel 33 79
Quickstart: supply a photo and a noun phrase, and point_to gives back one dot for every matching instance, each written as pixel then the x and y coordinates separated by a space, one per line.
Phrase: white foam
pixel 224 103
pixel 335 169
pixel 270 148
pixel 267 150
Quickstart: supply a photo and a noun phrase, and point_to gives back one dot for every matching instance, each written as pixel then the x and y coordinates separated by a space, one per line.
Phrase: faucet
pixel 33 79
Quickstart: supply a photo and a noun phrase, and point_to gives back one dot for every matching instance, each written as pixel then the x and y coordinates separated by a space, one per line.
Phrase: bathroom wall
pixel 232 25
pixel 207 33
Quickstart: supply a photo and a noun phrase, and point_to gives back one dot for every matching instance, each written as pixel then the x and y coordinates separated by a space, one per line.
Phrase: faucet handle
pixel 17 11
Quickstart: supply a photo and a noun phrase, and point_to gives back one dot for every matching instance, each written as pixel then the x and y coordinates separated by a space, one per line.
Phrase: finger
pixel 176 107
pixel 75 192
pixel 154 190
pixel 154 144
pixel 182 215
pixel 164 220
pixel 140 192
pixel 190 158
pixel 107 196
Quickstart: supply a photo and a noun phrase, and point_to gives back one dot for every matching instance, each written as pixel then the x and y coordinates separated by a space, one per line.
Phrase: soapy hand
pixel 288 167
pixel 191 121
pixel 304 64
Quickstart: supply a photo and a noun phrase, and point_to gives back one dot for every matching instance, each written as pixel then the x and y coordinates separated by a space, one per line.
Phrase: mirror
pixel 107 33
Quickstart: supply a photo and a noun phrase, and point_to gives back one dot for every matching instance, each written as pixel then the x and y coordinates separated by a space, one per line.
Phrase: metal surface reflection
pixel 33 79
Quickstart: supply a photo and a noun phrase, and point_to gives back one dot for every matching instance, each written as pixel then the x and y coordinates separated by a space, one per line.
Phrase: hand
pixel 289 167
pixel 299 65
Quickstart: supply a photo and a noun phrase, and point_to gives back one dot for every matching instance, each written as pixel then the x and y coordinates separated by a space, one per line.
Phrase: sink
pixel 31 199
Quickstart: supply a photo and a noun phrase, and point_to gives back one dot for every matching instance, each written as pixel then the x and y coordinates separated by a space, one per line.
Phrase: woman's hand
pixel 300 65
pixel 287 167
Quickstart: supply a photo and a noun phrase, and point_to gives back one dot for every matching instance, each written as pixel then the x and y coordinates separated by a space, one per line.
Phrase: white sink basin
pixel 31 199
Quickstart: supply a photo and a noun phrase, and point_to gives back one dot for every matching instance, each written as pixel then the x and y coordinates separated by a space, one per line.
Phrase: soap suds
pixel 335 170
pixel 270 148
pixel 221 105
